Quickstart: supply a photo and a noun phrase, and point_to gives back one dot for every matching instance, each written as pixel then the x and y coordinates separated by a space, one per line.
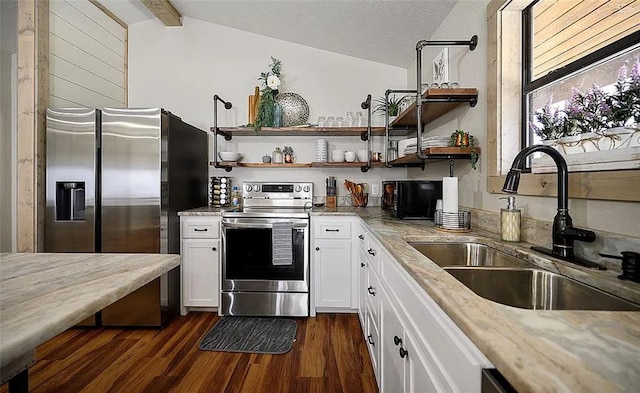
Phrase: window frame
pixel 504 92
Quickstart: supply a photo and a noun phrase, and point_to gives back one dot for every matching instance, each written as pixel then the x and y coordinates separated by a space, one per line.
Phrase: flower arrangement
pixel 271 84
pixel 593 111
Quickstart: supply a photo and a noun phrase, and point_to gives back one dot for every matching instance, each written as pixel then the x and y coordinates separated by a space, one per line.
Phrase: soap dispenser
pixel 510 221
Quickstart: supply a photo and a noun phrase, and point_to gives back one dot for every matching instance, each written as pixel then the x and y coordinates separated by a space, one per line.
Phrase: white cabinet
pixel 332 264
pixel 200 251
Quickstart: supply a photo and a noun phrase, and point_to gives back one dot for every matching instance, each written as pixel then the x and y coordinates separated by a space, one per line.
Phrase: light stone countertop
pixel 42 295
pixel 536 350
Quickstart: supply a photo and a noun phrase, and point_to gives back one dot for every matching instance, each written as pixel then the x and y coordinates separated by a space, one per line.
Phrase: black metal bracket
pixel 364 168
pixel 364 136
pixel 216 130
pixel 472 43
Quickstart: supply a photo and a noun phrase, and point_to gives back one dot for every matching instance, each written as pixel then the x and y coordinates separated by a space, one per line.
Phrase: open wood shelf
pixel 440 101
pixel 234 164
pixel 228 132
pixel 436 153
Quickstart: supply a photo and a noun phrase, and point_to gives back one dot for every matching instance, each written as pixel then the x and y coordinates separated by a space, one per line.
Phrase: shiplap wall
pixel 87 56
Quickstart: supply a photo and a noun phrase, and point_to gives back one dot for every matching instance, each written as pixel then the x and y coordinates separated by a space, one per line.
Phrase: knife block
pixel 331 202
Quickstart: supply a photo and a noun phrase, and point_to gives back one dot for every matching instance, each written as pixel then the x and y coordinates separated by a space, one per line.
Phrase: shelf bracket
pixel 452 163
pixel 364 136
pixel 364 169
pixel 227 105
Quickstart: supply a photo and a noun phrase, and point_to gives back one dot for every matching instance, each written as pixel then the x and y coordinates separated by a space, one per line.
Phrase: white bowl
pixel 229 156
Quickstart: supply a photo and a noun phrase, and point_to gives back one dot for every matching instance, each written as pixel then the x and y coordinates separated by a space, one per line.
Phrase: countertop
pixel 42 295
pixel 536 350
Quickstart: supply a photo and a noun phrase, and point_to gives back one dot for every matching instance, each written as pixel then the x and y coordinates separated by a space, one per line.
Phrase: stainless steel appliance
pixel 254 280
pixel 116 179
pixel 411 199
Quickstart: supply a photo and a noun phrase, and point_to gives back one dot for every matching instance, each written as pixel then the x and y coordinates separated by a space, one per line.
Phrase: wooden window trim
pixel 504 90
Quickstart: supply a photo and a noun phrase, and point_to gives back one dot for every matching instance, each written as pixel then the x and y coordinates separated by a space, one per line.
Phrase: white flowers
pixel 273 82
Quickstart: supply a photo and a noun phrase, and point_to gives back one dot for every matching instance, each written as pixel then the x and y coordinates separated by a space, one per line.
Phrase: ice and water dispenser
pixel 70 201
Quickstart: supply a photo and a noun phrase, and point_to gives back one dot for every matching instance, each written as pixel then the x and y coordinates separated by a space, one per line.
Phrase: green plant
pixel 287 150
pixel 462 139
pixel 393 105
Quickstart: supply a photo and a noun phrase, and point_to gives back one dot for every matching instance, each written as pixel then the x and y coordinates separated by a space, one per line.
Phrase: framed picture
pixel 441 67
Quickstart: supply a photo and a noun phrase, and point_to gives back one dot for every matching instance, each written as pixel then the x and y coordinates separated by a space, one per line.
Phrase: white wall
pixel 86 56
pixel 469 68
pixel 181 69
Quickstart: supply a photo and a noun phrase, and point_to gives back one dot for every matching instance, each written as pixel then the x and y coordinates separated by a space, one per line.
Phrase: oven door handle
pixel 259 224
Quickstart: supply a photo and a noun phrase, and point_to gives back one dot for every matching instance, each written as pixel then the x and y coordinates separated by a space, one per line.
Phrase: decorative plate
pixel 295 110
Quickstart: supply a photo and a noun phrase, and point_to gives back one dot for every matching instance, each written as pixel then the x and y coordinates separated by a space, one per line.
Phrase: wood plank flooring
pixel 330 355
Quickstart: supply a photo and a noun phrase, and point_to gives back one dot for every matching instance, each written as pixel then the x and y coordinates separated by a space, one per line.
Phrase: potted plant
pixel 462 139
pixel 288 154
pixel 393 106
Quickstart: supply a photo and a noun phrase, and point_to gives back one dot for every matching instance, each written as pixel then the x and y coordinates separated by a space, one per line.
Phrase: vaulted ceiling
pixel 376 30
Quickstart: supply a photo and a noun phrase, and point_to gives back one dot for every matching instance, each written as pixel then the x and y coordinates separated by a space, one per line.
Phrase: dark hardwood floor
pixel 329 355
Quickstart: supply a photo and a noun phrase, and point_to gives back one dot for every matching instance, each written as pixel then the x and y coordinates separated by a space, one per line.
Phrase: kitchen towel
pixel 450 194
pixel 282 243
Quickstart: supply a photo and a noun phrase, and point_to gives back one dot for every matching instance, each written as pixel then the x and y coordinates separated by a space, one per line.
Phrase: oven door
pixel 247 263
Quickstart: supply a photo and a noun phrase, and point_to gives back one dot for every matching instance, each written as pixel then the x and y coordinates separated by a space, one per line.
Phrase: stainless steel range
pixel 265 251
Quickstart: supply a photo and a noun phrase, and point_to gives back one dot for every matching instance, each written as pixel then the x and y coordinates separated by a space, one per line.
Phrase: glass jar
pixel 277 157
pixel 359 121
pixel 277 115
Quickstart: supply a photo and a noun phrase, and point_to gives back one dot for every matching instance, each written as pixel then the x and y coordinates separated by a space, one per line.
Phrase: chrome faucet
pixel 564 234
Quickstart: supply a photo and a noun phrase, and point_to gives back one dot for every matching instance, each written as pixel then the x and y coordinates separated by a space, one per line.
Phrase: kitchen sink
pixel 509 280
pixel 537 289
pixel 467 254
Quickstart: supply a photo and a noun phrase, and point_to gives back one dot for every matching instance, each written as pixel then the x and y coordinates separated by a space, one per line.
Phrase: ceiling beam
pixel 164 11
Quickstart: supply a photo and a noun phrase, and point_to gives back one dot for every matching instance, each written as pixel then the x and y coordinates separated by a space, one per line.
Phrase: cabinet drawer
pixel 201 229
pixel 332 229
pixel 373 342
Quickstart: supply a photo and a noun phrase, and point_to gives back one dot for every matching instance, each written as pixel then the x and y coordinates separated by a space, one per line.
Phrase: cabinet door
pixel 392 365
pixel 362 288
pixel 200 277
pixel 419 377
pixel 332 260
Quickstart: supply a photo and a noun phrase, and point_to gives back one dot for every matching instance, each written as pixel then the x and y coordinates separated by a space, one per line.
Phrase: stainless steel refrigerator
pixel 116 179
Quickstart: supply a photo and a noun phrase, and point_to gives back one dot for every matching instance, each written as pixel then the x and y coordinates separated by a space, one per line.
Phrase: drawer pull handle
pixel 200 230
pixel 362 264
pixel 370 339
pixel 371 251
pixel 213 249
pixel 403 352
pixel 361 237
pixel 317 248
pixel 331 230
pixel 371 291
pixel 397 340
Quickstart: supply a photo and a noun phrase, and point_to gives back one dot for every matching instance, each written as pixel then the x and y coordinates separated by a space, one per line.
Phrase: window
pixel 504 119
pixel 573 51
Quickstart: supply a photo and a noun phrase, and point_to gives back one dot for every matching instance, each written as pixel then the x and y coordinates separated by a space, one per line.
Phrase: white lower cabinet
pixel 331 256
pixel 404 368
pixel 200 267
pixel 419 349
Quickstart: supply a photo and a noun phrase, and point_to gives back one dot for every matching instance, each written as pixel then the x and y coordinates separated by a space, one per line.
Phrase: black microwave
pixel 411 199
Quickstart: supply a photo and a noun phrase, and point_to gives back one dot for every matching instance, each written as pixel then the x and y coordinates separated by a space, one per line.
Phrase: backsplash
pixel 538 232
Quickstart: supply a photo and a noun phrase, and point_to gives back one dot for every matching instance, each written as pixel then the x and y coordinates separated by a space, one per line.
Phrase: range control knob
pixel 248 187
pixel 298 187
pixel 307 188
pixel 256 187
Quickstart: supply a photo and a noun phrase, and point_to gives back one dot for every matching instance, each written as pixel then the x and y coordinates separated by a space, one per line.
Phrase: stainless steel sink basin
pixel 467 254
pixel 505 279
pixel 537 290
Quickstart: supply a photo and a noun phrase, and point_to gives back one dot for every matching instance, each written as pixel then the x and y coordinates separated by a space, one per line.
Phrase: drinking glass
pixel 350 119
pixel 331 121
pixel 359 120
pixel 322 121
pixel 339 121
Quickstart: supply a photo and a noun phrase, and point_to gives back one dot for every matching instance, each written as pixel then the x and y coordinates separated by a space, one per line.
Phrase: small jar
pixel 277 157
